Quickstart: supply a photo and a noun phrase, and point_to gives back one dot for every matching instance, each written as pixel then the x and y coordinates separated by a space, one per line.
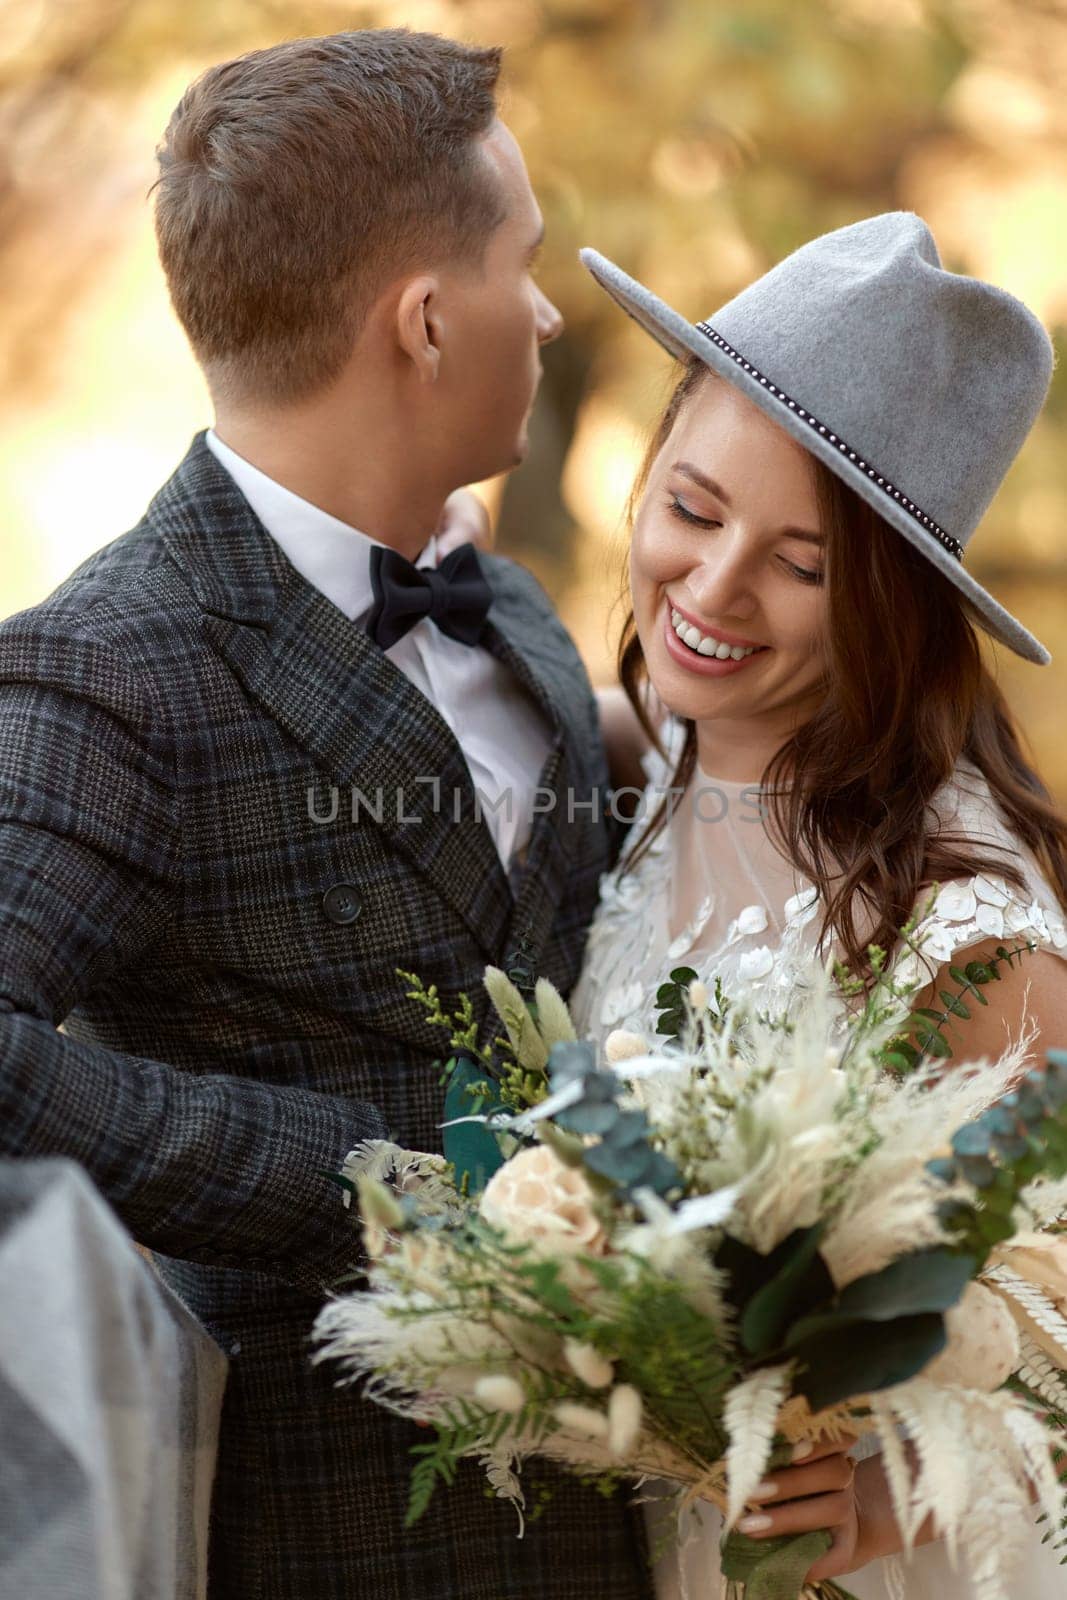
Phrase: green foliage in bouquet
pixel 704 1241
pixel 509 1074
pixel 624 1153
pixel 675 1008
pixel 880 1330
pixel 1020 1138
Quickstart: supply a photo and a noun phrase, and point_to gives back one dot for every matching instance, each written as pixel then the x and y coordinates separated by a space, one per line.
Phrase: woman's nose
pixel 722 585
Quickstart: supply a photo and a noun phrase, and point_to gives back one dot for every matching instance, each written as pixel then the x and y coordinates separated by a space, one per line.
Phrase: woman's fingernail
pixel 804 1448
pixel 754 1524
pixel 764 1490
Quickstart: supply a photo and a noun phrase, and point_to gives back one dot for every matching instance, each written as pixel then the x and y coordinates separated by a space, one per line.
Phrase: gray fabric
pixel 915 385
pixel 110 1394
pixel 230 1027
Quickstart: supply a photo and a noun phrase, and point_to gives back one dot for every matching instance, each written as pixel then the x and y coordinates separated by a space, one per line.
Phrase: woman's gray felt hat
pixel 915 385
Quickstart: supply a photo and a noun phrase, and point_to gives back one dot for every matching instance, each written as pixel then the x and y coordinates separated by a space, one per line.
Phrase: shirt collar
pixel 332 556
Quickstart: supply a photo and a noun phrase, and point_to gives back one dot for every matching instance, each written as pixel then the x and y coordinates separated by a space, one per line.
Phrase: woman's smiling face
pixel 726 574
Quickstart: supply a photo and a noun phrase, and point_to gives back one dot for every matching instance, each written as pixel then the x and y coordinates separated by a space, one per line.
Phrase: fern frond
pixel 1041 1376
pixel 499 1463
pixel 459 1433
pixel 1034 1311
pixel 750 1415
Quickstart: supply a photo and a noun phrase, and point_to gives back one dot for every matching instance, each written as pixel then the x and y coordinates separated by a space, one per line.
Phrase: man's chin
pixel 504 462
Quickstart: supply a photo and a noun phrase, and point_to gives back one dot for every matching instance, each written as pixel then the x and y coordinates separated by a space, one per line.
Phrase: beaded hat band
pixel 914 385
pixel 820 427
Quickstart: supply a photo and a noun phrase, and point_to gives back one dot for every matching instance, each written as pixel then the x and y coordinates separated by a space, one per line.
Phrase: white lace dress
pixel 714 893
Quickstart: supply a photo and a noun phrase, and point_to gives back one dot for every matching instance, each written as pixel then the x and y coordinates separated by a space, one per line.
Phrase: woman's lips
pixel 704 666
pixel 727 638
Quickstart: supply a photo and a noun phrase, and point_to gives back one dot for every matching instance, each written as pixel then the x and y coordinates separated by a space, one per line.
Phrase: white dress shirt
pixel 504 735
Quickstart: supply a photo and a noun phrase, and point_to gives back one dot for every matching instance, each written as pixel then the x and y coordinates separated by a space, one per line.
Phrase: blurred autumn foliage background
pixel 693 141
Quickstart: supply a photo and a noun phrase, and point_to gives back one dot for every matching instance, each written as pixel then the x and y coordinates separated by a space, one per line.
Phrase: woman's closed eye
pixel 678 508
pixel 804 574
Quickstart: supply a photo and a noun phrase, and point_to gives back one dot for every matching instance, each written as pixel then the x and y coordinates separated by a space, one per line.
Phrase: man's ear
pixel 419 326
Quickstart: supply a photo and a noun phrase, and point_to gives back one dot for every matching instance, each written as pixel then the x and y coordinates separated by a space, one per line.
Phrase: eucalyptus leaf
pixel 802 1283
pixel 588 1116
pixel 973 1139
pixel 864 1357
pixel 747 1271
pixel 571 1058
pixel 978 1171
pixel 926 1280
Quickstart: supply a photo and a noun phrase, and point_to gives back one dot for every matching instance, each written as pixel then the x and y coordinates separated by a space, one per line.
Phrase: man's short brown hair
pixel 296 181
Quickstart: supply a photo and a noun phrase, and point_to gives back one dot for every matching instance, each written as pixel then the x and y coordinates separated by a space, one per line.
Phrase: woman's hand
pixel 464 521
pixel 818 1492
pixel 852 1502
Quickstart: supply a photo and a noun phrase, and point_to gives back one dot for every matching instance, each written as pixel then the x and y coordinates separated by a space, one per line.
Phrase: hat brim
pixel 684 340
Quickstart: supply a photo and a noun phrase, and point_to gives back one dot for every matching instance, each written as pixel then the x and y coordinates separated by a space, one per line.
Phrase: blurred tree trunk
pixel 535 526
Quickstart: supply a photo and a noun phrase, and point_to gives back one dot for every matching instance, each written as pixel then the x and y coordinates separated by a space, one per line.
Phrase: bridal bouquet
pixel 703 1250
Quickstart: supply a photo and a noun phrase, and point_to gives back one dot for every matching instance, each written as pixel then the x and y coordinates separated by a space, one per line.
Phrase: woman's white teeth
pixel 706 644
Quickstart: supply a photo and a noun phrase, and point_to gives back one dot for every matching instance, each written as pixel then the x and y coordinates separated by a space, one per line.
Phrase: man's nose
pixel 549 320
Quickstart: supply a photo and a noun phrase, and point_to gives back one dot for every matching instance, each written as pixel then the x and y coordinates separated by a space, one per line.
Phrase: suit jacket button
pixel 342 903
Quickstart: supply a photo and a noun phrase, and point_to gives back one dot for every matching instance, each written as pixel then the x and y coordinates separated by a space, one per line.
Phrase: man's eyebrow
pixel 688 470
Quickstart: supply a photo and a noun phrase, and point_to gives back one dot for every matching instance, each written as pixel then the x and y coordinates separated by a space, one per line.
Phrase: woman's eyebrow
pixel 805 534
pixel 688 470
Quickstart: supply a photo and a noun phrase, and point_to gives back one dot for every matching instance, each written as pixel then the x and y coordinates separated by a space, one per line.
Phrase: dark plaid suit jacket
pixel 174 720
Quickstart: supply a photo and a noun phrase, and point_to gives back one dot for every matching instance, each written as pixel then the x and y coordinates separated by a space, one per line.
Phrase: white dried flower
pixel 589 1365
pixel 534 1199
pixel 581 1419
pixel 380 1213
pixel 423 1260
pixel 983 1342
pixel 698 995
pixel 624 1419
pixel 499 1392
pixel 553 1018
pixel 530 1049
pixel 622 1046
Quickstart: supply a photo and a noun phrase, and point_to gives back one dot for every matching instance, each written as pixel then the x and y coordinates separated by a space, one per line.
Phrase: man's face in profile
pixel 498 319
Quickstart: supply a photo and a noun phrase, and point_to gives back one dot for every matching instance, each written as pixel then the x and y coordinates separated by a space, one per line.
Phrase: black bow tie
pixel 454 595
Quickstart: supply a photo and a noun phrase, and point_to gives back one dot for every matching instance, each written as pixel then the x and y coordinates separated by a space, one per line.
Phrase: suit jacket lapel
pixel 332 688
pixel 518 638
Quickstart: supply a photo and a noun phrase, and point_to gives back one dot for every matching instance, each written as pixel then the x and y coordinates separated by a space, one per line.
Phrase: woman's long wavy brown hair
pixel 907 695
